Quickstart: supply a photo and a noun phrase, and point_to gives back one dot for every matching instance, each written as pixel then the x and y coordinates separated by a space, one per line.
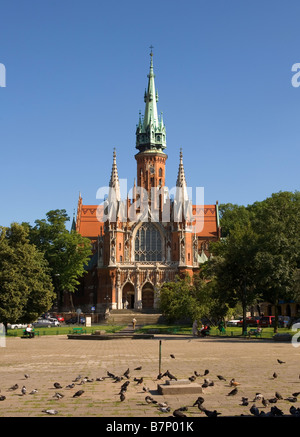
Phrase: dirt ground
pixel 50 359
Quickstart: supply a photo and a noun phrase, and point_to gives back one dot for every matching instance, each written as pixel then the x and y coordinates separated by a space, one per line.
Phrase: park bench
pixel 77 330
pixel 33 334
pixel 254 332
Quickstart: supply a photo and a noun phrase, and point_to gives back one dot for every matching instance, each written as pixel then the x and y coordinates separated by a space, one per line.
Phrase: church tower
pixel 151 141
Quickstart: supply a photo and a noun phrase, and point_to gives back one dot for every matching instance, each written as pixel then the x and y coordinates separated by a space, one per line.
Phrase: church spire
pixel 181 181
pixel 114 184
pixel 151 132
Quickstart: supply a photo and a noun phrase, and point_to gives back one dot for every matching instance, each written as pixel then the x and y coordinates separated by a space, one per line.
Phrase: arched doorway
pixel 128 296
pixel 147 296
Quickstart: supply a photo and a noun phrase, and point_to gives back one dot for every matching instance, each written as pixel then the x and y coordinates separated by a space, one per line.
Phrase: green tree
pixel 26 289
pixel 234 268
pixel 66 252
pixel 277 222
pixel 186 298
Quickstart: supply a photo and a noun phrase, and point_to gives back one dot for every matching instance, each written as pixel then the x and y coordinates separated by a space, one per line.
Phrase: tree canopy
pixel 67 252
pixel 26 289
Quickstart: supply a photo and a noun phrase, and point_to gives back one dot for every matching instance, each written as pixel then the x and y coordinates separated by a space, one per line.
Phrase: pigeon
pixel 178 413
pixel 159 376
pixel 171 376
pixel 294 411
pixel 273 400
pixel 280 362
pixel 126 374
pixel 214 413
pixel 172 356
pixel 14 387
pixel 163 404
pixel 254 410
pixel 258 397
pixel 125 385
pixel 150 400
pixel 192 378
pixel 23 390
pixel 221 378
pixel 52 412
pixel 78 393
pixel 110 375
pixel 234 383
pixel 291 399
pixel 118 379
pixel 165 409
pixel 57 385
pixel 138 368
pixel 278 395
pixel 26 376
pixel 265 402
pixel 198 401
pixel 100 379
pixel 275 411
pixel 34 391
pixel 206 372
pixel 139 380
pixel 297 393
pixel 233 392
pixel 78 378
pixel 275 375
pixel 2 398
pixel 244 402
pixel 205 385
pixel 122 397
pixel 58 395
pixel 196 374
pixel 146 389
pixel 70 386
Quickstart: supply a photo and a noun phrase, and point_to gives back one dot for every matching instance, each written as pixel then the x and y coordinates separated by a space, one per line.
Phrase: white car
pixel 16 326
pixel 233 322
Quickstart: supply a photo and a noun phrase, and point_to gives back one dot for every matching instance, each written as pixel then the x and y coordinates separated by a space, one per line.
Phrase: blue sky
pixel 76 72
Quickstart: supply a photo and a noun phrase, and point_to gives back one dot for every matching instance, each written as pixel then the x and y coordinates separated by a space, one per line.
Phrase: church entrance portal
pixel 128 296
pixel 147 296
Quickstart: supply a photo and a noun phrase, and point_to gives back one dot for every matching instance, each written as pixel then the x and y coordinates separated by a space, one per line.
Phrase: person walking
pixel 133 322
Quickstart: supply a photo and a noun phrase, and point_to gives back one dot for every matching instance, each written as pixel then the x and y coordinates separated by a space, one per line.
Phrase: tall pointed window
pixel 148 244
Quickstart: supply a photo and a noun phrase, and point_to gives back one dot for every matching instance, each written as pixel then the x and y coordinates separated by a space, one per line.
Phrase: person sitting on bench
pixel 29 331
pixel 204 331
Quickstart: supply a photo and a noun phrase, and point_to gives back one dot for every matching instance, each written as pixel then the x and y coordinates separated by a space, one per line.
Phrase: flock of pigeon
pixel 199 403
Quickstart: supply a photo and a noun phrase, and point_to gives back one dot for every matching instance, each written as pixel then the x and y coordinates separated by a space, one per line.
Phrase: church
pixel 149 237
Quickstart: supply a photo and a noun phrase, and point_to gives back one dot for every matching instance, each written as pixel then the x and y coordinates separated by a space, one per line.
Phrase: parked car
pixel 250 321
pixel 45 323
pixel 16 325
pixel 266 321
pixel 234 322
pixel 74 320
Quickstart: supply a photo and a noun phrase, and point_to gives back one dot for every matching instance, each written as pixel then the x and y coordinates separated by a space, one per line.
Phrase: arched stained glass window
pixel 148 244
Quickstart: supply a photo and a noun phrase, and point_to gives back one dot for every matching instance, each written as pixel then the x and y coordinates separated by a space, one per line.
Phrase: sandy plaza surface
pixel 56 359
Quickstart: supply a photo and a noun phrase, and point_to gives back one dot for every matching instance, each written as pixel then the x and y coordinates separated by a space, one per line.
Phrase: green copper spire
pixel 151 132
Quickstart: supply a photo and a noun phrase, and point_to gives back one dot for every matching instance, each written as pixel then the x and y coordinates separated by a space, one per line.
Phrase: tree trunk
pixel 244 306
pixel 276 314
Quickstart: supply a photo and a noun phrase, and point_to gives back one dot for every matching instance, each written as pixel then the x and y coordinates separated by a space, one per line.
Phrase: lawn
pixel 67 329
pixel 187 330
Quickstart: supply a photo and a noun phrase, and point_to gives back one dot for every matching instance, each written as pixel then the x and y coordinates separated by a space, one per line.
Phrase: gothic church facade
pixel 148 238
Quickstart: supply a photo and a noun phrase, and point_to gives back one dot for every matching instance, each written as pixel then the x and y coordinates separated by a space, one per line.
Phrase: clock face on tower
pixel 152 171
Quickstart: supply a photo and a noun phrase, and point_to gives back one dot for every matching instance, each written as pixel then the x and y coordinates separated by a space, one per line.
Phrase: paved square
pixel 50 359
